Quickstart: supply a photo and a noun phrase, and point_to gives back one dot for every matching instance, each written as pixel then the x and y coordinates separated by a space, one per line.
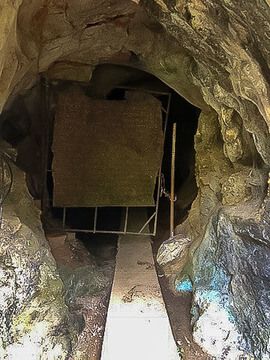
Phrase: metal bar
pixel 64 217
pixel 157 202
pixel 114 206
pixel 147 222
pixel 167 114
pixel 1 217
pixel 107 232
pixel 159 177
pixel 172 182
pixel 155 214
pixel 44 94
pixel 164 110
pixel 95 219
pixel 143 90
pixel 156 92
pixel 126 220
pixel 2 177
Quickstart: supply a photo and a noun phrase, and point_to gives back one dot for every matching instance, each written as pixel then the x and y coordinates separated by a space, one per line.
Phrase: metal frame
pixel 154 216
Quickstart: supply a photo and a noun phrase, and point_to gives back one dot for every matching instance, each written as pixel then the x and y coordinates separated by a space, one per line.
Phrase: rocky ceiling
pixel 211 52
pixel 70 40
pixel 215 53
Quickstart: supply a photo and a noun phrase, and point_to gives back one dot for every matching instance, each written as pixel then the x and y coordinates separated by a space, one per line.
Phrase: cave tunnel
pixel 99 258
pixel 30 129
pixel 109 82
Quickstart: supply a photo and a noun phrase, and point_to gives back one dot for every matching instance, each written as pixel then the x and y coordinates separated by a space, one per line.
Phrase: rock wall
pixel 215 53
pixel 230 267
pixel 227 255
pixel 34 319
pixel 67 42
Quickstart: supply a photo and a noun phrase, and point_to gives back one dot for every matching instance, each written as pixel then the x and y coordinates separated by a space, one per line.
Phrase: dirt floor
pixel 88 279
pixel 94 257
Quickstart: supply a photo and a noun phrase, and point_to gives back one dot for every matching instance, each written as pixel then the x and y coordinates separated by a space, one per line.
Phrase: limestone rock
pixel 236 189
pixel 172 254
pixel 230 56
pixel 70 41
pixel 222 340
pixel 216 53
pixel 230 65
pixel 231 285
pixel 34 319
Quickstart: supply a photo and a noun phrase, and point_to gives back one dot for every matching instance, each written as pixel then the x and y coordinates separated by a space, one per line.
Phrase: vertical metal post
pixel 45 141
pixel 172 196
pixel 160 170
pixel 157 203
pixel 126 220
pixel 95 219
pixel 64 217
pixel 1 217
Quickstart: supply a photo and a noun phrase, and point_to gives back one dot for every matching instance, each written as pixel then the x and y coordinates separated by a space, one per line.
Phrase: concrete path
pixel 137 326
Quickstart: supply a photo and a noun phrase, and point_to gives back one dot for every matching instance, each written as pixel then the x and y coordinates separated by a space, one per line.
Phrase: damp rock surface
pixel 231 279
pixel 34 319
pixel 215 53
pixel 229 253
pixel 228 222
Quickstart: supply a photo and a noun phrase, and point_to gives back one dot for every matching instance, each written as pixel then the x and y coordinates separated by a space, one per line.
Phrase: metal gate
pixel 96 211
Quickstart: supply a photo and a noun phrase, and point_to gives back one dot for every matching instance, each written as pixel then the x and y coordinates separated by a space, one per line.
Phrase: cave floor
pixel 137 324
pixel 178 305
pixel 89 299
pixel 130 284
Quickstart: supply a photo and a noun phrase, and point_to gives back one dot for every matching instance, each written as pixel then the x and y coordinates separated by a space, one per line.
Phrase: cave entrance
pixel 26 128
pixel 108 167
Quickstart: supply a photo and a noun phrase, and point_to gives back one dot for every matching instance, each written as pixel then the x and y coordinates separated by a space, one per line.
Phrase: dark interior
pixel 19 128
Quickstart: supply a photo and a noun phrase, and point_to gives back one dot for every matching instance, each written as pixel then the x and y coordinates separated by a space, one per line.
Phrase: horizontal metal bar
pixel 103 207
pixel 143 90
pixel 105 232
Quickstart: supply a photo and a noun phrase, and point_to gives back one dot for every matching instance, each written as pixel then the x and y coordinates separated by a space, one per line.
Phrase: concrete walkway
pixel 137 326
